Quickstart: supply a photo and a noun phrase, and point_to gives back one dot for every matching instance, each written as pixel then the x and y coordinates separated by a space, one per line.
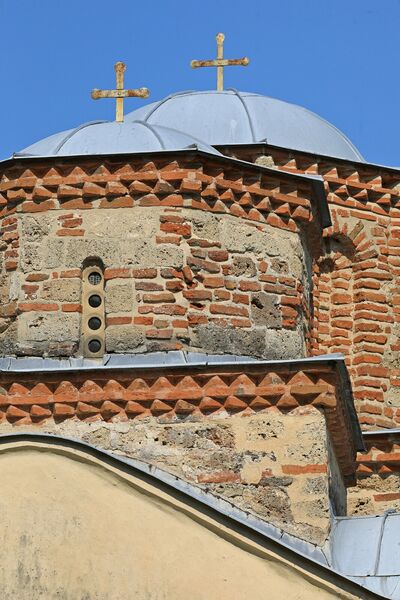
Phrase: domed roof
pixel 232 117
pixel 105 137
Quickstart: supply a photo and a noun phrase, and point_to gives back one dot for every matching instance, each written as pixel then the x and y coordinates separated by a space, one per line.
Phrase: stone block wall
pixel 192 260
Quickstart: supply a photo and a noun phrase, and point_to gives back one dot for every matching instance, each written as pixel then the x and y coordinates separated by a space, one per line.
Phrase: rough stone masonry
pixel 196 256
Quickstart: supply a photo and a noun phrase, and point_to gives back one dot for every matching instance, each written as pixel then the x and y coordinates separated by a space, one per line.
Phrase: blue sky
pixel 338 58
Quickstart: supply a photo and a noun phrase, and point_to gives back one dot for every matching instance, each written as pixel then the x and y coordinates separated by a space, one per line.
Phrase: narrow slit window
pixel 93 313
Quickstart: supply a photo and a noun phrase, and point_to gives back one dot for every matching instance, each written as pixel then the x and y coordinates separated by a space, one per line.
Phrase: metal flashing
pixel 175 359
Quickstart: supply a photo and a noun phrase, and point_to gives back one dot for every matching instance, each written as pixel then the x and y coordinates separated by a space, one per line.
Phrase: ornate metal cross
pixel 120 94
pixel 220 62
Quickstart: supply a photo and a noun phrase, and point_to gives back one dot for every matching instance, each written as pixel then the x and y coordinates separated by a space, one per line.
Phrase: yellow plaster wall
pixel 73 528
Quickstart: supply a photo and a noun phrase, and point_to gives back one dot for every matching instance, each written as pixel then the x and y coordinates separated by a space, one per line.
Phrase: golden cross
pixel 120 94
pixel 220 62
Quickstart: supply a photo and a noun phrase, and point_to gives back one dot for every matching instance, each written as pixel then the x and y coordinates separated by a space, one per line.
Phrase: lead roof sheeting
pixel 152 360
pixel 106 137
pixel 233 117
pixel 367 546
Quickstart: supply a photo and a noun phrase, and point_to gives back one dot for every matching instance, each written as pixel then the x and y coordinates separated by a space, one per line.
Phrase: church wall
pixel 273 465
pixel 179 274
pixel 357 306
pixel 194 258
pixel 257 436
pixel 61 539
pixel 356 283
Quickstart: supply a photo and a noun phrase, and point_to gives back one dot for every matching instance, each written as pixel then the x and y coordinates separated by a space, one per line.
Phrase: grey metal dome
pixel 105 137
pixel 232 117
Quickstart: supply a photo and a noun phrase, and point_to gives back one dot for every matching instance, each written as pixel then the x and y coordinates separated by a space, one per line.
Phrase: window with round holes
pixel 94 278
pixel 94 301
pixel 94 323
pixel 94 346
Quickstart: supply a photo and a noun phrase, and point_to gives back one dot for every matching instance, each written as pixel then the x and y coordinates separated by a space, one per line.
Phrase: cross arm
pixel 139 93
pixel 220 62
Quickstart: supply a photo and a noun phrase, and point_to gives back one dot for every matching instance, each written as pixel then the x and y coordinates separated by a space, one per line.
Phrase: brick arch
pixel 333 296
pixel 346 291
pixel 333 288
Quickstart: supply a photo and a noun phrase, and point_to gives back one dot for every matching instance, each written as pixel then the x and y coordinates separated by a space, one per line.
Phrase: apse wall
pixel 221 272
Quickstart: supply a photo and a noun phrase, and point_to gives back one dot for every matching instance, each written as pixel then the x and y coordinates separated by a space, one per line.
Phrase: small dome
pixel 106 137
pixel 232 117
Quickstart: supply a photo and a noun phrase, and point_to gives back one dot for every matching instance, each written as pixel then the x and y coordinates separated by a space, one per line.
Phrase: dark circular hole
pixel 95 300
pixel 94 323
pixel 94 346
pixel 94 278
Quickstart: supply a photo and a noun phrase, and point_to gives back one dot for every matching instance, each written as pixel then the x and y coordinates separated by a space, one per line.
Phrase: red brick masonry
pixel 356 298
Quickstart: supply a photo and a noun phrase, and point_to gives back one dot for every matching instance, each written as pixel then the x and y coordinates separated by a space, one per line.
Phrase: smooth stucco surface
pixel 73 527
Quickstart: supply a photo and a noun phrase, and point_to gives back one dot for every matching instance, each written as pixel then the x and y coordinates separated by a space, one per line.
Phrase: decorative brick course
pixel 172 395
pixel 32 190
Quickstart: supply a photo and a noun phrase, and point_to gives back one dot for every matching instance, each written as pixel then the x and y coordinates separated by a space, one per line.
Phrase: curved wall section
pixel 191 261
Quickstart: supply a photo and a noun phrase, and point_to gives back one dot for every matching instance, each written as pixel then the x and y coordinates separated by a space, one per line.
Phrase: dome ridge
pixel 219 120
pixel 153 131
pixel 73 132
pixel 111 137
pixel 240 97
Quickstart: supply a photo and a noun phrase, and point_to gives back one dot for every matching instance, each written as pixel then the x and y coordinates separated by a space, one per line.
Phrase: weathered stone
pixel 78 249
pixel 31 257
pixel 243 237
pixel 15 283
pixel 227 340
pixel 35 228
pixel 243 266
pixel 265 310
pixel 283 344
pixel 49 327
pixel 55 252
pixel 295 266
pixel 205 225
pixel 124 338
pixel 9 339
pixel 62 290
pixel 138 252
pixel 276 481
pixel 4 288
pixel 120 297
pixel 122 224
pixel 4 324
pixel 279 265
pixel 316 485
